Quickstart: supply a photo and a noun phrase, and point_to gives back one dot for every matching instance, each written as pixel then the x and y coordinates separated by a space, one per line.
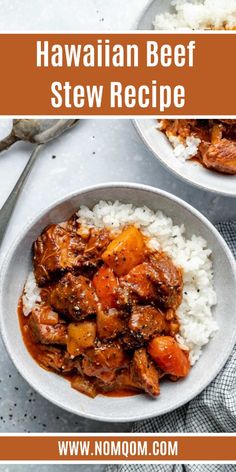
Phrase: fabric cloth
pixel 214 410
pixel 172 468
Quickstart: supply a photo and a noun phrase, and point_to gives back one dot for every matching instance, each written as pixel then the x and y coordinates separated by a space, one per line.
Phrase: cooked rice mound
pixel 199 14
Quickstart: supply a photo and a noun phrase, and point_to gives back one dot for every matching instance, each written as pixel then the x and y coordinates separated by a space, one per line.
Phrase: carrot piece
pixel 105 284
pixel 216 134
pixel 125 251
pixel 169 356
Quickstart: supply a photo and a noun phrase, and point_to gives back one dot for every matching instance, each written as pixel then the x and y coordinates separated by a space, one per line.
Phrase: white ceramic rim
pixel 138 20
pixel 131 186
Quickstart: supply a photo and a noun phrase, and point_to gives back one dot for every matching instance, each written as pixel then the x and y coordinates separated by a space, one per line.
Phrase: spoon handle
pixel 9 205
pixel 8 141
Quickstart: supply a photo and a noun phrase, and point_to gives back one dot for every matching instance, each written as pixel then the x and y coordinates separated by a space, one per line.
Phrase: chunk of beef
pixel 44 314
pixel 180 128
pixel 136 286
pixel 72 225
pixel 167 279
pixel 123 381
pixel 144 373
pixel 45 333
pixel 97 243
pixel 84 385
pixel 185 128
pixel 220 156
pixel 56 251
pixel 104 361
pixel 229 131
pixel 228 122
pixel 74 297
pixel 45 294
pixel 157 280
pixel 57 360
pixel 145 321
pixel 131 342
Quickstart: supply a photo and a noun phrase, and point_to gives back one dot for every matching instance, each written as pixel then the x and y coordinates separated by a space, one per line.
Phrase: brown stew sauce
pixel 34 349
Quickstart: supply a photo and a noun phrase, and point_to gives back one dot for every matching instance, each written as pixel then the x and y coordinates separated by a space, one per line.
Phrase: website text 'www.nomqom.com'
pixel 117 448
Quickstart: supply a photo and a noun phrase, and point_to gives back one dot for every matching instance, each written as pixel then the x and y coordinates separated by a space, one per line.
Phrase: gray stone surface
pixel 96 151
pixel 76 15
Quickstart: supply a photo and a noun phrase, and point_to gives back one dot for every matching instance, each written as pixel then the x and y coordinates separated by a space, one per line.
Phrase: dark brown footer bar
pixel 112 448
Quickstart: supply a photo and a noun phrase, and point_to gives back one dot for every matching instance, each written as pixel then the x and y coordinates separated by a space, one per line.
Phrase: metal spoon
pixel 34 131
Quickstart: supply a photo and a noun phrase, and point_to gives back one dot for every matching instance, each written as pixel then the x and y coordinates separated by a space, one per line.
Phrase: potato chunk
pixel 125 251
pixel 80 337
pixel 110 324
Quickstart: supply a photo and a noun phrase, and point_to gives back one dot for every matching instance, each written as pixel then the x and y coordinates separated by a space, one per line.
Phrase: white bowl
pixel 192 172
pixel 58 390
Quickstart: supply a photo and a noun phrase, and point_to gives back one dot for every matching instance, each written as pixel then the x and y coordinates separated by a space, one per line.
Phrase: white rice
pixel 199 14
pixel 197 324
pixel 184 150
pixel 31 294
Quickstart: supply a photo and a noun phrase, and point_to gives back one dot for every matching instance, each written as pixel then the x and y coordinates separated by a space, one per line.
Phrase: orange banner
pixel 113 448
pixel 118 74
